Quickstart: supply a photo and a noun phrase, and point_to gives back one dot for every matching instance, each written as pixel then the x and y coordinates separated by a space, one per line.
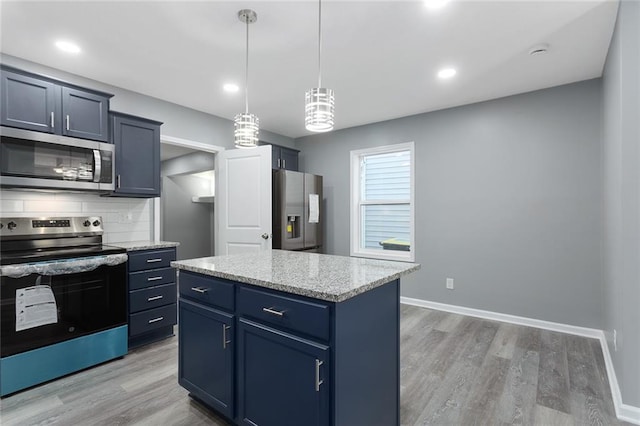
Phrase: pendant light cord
pixel 246 72
pixel 319 43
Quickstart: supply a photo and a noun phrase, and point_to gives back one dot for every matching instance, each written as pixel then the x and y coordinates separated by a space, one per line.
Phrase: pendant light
pixel 246 125
pixel 319 103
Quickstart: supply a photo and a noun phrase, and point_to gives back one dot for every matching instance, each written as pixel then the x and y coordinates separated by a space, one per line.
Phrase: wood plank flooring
pixel 455 370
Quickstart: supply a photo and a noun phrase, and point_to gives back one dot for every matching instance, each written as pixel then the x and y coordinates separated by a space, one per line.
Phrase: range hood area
pixel 31 159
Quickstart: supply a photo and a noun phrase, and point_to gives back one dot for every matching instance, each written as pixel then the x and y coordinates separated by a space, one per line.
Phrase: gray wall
pixel 508 201
pixel 183 220
pixel 621 291
pixel 179 121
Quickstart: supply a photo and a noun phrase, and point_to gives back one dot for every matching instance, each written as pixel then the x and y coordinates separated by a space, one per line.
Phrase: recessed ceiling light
pixel 231 88
pixel 446 73
pixel 67 46
pixel 435 4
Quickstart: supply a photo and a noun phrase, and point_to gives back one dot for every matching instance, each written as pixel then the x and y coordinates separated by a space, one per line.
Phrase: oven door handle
pixel 62 267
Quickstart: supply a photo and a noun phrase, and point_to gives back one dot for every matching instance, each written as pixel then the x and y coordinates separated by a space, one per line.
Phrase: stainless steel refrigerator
pixel 297 213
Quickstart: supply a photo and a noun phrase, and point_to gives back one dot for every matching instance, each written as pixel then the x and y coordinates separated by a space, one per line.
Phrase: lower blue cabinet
pixel 206 355
pixel 282 379
pixel 263 357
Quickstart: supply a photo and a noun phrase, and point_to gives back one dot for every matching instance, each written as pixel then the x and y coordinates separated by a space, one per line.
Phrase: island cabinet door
pixel 206 358
pixel 283 380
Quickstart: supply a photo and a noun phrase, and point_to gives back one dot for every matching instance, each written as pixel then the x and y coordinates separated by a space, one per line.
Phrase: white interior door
pixel 243 200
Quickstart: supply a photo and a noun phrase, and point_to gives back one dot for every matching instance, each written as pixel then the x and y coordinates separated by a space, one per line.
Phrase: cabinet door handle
pixel 278 163
pixel 318 381
pixel 200 289
pixel 271 310
pixel 68 122
pixel 151 321
pixel 118 181
pixel 153 260
pixel 151 299
pixel 154 278
pixel 225 342
pixel 52 120
pixel 284 163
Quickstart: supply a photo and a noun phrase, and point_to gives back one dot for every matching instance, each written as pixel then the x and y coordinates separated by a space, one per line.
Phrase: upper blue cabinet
pixel 33 102
pixel 283 158
pixel 137 142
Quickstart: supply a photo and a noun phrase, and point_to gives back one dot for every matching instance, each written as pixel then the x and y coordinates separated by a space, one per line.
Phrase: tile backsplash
pixel 124 219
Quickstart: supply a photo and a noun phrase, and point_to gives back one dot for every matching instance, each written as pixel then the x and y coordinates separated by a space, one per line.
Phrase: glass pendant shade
pixel 246 130
pixel 319 106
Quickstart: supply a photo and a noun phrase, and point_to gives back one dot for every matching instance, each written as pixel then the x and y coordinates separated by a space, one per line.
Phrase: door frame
pixel 186 143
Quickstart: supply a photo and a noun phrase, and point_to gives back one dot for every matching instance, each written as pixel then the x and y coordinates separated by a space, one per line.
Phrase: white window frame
pixel 356 203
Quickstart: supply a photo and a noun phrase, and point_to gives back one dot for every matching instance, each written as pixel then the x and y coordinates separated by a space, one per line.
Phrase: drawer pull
pixel 271 310
pixel 225 342
pixel 153 260
pixel 154 278
pixel 151 299
pixel 318 381
pixel 201 290
pixel 151 321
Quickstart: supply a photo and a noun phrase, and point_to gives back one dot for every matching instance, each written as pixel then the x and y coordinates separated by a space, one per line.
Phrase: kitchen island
pixel 292 338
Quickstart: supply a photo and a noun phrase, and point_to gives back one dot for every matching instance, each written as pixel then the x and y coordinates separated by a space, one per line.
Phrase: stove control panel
pixel 51 223
pixel 54 226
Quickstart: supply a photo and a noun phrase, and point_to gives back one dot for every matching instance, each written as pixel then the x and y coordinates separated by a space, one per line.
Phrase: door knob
pixel 265 236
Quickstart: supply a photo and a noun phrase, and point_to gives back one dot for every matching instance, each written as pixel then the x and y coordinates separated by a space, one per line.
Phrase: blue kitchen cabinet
pixel 37 103
pixel 294 360
pixel 206 356
pixel 29 103
pixel 152 292
pixel 283 158
pixel 85 114
pixel 282 379
pixel 137 143
pixel 288 159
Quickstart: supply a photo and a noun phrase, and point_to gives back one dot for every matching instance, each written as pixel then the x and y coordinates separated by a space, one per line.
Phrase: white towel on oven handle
pixel 62 266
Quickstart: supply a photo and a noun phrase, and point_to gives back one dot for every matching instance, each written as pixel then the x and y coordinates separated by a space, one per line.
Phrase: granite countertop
pixel 320 276
pixel 144 245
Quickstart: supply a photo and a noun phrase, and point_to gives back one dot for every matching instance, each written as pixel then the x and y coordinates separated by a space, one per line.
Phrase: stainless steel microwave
pixel 31 159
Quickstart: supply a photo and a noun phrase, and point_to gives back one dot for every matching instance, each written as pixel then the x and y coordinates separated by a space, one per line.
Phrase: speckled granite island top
pixel 320 276
pixel 144 245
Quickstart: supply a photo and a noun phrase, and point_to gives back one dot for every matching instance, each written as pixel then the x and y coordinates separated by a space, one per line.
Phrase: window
pixel 382 202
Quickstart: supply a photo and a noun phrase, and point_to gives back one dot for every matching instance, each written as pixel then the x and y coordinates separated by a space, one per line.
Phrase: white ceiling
pixel 380 57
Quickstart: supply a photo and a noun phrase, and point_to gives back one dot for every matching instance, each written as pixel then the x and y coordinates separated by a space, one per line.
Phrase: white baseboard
pixel 513 319
pixel 627 413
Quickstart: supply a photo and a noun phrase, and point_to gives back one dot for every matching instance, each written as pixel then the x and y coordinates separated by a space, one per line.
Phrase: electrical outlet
pixel 615 340
pixel 450 283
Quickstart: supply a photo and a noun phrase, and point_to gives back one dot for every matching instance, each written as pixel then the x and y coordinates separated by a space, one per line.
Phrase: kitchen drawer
pixel 152 297
pixel 287 312
pixel 151 319
pixel 151 259
pixel 209 290
pixel 138 280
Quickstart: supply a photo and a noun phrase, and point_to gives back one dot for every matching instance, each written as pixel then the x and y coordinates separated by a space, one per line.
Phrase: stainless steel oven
pixel 42 160
pixel 63 303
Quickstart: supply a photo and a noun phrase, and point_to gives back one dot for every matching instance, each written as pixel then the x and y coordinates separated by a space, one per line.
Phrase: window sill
pixel 399 257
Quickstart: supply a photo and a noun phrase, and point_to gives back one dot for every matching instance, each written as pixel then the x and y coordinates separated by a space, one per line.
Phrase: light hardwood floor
pixel 455 370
